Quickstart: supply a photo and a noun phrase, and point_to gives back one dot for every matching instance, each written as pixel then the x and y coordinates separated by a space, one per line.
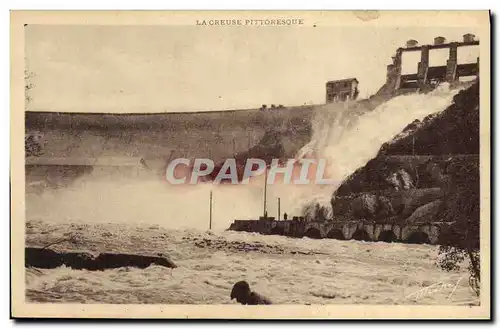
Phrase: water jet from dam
pixel 348 141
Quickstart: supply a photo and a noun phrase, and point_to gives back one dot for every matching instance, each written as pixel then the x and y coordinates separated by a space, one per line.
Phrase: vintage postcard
pixel 250 164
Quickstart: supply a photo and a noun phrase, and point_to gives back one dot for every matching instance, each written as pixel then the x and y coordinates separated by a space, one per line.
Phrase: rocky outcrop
pixel 364 206
pixel 453 131
pixel 402 172
pixel 425 214
pixel 47 258
pixel 410 178
pixel 385 204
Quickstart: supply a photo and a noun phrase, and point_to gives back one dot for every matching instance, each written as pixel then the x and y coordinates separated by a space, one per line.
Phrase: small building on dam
pixel 342 90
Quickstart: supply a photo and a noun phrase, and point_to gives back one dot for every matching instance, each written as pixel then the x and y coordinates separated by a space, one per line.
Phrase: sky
pixel 124 69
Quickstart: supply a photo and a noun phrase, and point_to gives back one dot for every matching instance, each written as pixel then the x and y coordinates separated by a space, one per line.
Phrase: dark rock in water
pixel 241 291
pixel 78 260
pixel 108 260
pixel 46 258
pixel 42 258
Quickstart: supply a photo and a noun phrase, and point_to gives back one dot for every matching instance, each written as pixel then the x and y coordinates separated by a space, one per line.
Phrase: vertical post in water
pixel 210 224
pixel 279 209
pixel 265 193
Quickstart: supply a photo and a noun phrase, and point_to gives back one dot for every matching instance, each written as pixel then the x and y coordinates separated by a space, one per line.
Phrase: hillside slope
pixel 411 175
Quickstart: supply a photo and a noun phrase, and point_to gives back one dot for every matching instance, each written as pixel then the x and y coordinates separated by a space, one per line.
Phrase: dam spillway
pixel 398 180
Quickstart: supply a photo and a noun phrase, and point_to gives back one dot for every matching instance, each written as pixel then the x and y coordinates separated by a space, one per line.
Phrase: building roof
pixel 343 80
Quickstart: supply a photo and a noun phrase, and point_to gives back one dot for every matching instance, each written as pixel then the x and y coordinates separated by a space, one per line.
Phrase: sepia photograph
pixel 326 164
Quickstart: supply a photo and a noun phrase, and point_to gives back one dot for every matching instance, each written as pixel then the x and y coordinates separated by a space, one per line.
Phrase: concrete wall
pixel 76 139
pixel 156 136
pixel 429 233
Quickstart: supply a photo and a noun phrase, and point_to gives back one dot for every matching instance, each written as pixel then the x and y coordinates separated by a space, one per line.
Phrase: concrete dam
pixel 72 144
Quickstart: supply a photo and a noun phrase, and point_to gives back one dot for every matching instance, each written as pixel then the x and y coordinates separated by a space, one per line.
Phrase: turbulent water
pixel 288 271
pixel 335 272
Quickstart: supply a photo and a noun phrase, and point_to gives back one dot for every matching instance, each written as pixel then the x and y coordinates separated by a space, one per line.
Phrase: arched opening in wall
pixel 313 233
pixel 387 236
pixel 278 231
pixel 361 235
pixel 335 234
pixel 418 238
